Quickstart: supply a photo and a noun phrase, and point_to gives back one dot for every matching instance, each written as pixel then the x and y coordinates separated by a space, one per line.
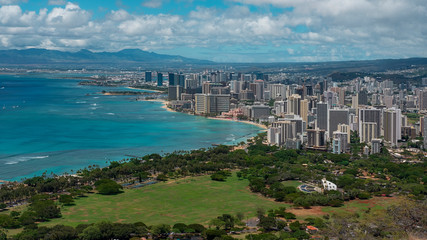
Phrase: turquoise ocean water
pixel 55 125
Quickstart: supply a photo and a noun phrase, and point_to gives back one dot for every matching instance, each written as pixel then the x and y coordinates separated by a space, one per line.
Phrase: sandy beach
pixel 241 121
pixel 164 102
pixel 165 106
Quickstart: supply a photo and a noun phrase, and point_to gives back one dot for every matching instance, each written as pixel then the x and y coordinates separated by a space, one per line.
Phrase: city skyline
pixel 222 31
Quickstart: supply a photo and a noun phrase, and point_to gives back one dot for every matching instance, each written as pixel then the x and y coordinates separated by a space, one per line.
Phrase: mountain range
pixel 122 58
pixel 136 58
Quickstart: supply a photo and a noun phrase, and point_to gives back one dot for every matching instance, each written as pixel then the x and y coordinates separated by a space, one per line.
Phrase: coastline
pixel 164 103
pixel 165 106
pixel 241 121
pixel 148 90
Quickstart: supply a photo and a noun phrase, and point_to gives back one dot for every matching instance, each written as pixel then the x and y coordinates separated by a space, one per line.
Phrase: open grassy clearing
pixel 354 206
pixel 189 200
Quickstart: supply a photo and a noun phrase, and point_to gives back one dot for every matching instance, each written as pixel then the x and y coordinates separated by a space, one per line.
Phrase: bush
pixel 336 203
pixel 197 227
pixel 364 195
pixel 7 221
pixel 180 227
pixel 220 176
pixel 108 187
pixel 214 233
pixel 67 200
pixel 162 177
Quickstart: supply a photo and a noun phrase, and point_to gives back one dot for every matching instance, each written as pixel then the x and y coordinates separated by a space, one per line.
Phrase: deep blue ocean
pixel 53 125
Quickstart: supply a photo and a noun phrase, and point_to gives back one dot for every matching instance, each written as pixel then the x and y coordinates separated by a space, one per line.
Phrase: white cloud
pixel 8 2
pixel 70 16
pixel 331 29
pixel 152 3
pixel 57 2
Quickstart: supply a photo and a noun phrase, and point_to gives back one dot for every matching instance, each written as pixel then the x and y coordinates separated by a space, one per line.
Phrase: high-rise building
pixel 174 93
pixel 258 89
pixel 260 111
pixel 211 103
pixel 190 83
pixel 294 106
pixel 371 115
pixel 278 91
pixel 316 138
pixel 339 142
pixel 280 132
pixel 279 108
pixel 181 80
pixel 423 99
pixel 236 86
pixel 207 88
pixel 304 109
pixel 171 77
pixel 376 145
pixel 368 131
pixel 341 96
pixel 336 117
pixel 148 76
pixel 246 95
pixel 322 116
pixel 345 129
pixel 299 123
pixel 159 79
pixel 424 130
pixel 362 97
pixel 392 125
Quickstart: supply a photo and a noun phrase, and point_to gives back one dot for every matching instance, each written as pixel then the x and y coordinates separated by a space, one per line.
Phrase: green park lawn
pixel 189 200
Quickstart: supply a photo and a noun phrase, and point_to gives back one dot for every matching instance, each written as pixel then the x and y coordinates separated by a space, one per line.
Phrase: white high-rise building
pixel 294 106
pixel 280 132
pixel 212 103
pixel 368 131
pixel 424 130
pixel 392 125
pixel 278 91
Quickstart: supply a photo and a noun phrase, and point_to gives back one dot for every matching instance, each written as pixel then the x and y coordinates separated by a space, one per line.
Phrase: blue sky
pixel 224 31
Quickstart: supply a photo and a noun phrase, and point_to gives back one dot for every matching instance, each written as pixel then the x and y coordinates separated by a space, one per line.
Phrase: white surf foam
pixel 16 160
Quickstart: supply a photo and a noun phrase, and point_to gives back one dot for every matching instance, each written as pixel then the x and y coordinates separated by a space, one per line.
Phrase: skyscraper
pixel 423 100
pixel 316 138
pixel 171 79
pixel 376 145
pixel 280 132
pixel 159 79
pixel 148 76
pixel 322 116
pixel 211 103
pixel 339 142
pixel 392 125
pixel 336 117
pixel 371 115
pixel 304 109
pixel 424 130
pixel 362 97
pixel 294 106
pixel 368 131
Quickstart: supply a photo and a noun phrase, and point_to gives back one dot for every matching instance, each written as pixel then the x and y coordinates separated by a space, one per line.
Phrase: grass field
pixel 354 206
pixel 190 200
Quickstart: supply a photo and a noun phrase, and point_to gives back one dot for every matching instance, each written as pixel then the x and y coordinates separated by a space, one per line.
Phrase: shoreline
pixel 148 90
pixel 241 121
pixel 165 106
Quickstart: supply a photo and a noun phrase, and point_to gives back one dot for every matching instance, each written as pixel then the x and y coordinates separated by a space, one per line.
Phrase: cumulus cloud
pixel 311 30
pixel 70 16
